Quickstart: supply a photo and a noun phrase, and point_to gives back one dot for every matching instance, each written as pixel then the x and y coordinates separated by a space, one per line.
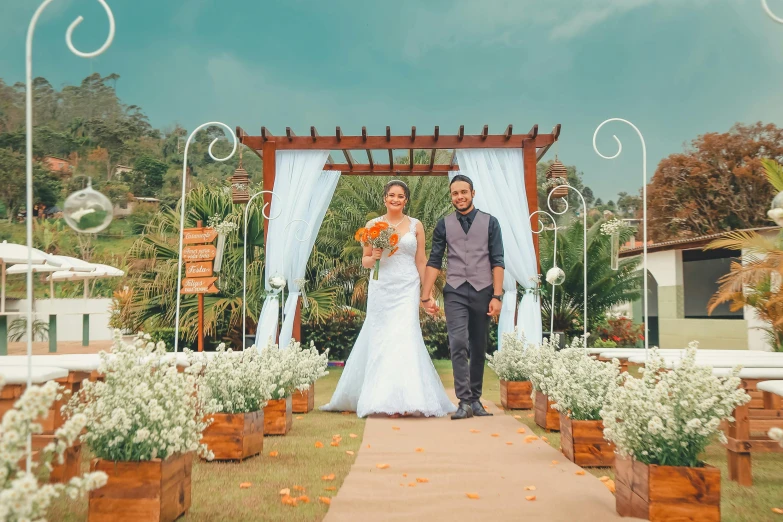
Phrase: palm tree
pixel 605 287
pixel 755 282
pixel 154 257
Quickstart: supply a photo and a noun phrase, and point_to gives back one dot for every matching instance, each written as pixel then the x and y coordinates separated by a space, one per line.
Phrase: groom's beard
pixel 463 207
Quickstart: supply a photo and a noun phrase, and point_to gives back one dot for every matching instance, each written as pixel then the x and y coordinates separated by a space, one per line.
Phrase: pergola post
pixel 530 160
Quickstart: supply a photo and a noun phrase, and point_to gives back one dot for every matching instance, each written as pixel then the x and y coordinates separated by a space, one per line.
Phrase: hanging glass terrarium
pixel 776 212
pixel 88 211
pixel 556 176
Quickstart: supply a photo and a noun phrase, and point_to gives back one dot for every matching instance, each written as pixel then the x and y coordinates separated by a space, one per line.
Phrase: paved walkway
pixel 456 461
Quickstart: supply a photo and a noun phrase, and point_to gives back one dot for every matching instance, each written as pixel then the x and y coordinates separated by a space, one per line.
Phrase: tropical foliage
pixel 605 287
pixel 755 282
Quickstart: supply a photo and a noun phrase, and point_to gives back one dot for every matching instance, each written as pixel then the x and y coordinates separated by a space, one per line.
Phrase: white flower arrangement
pixel 668 417
pixel 239 187
pixel 311 365
pixel 613 226
pixel 22 497
pixel 555 275
pixel 233 382
pixel 277 282
pixel 145 409
pixel 511 363
pixel 580 384
pixel 540 360
pixel 776 434
pixel 223 227
pixel 554 182
pixel 293 368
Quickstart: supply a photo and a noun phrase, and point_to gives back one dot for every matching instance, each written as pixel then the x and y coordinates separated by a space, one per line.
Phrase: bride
pixel 389 370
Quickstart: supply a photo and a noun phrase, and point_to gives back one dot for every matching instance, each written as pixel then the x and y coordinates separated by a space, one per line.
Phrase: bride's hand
pixel 376 253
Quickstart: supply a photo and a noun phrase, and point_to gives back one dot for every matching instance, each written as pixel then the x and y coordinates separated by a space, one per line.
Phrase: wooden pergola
pixel 534 146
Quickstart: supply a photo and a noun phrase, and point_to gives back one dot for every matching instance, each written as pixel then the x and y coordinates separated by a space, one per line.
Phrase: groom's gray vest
pixel 468 254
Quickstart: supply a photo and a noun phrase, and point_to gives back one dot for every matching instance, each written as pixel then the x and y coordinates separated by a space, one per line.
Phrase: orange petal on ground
pixel 517 417
pixel 304 498
pixel 411 484
pixel 510 443
pixel 530 438
pixel 245 485
pixel 334 443
pixel 299 418
pixel 382 466
pixel 349 452
pixel 778 511
pixel 475 431
pixel 368 445
pixel 298 488
pixel 604 478
pixel 330 476
pixel 472 496
pixel 396 428
pixel 419 450
pixel 325 500
pixel 529 415
pixel 353 435
pixel 496 434
pixel 530 498
pixel 289 501
pixel 554 463
pixel 610 485
pixel 422 480
pixel 285 492
pixel 521 430
pixel 331 488
pixel 530 488
pixel 404 474
pixel 544 439
pixel 273 454
pixel 319 444
pixel 580 472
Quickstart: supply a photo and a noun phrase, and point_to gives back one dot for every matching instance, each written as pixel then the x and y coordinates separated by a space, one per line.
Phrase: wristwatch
pixel 498 297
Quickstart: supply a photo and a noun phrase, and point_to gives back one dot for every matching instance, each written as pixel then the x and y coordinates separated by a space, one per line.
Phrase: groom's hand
pixel 494 307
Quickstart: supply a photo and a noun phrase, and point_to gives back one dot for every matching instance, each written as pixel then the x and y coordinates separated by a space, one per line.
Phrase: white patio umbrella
pixel 67 264
pixel 100 271
pixel 13 254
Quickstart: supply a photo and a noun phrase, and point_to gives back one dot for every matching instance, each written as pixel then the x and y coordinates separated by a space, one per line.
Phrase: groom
pixel 473 291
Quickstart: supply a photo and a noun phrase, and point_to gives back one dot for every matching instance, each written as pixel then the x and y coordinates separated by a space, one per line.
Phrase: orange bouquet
pixel 380 235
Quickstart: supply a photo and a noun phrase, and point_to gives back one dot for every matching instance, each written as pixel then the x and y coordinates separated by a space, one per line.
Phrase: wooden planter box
pixel 235 436
pixel 546 417
pixel 516 395
pixel 667 492
pixel 278 416
pixel 583 443
pixel 53 420
pixel 72 459
pixel 151 491
pixel 304 401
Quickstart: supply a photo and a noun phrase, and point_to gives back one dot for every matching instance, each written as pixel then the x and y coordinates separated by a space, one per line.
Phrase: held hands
pixel 376 253
pixel 494 308
pixel 430 306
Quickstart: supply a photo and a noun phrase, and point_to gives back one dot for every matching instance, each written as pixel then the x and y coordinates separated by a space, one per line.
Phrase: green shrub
pixel 600 343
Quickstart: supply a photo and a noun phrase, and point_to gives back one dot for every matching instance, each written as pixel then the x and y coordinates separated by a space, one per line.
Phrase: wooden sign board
pixel 192 236
pixel 199 285
pixel 199 253
pixel 198 269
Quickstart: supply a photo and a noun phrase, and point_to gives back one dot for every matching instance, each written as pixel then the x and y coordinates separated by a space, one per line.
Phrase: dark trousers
pixel 468 326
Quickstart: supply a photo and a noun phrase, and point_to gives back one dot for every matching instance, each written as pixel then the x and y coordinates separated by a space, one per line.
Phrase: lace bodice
pixel 402 263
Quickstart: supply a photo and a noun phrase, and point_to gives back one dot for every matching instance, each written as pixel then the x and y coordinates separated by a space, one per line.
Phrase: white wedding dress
pixel 389 370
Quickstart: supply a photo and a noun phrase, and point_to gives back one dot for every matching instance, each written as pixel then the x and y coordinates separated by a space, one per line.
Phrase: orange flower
pixel 382 225
pixel 394 239
pixel 375 231
pixel 393 250
pixel 365 235
pixel 359 234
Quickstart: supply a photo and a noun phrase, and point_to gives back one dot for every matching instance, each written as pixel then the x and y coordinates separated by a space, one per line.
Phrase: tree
pixel 47 187
pixel 628 205
pixel 12 175
pixel 716 185
pixel 605 287
pixel 574 179
pixel 147 176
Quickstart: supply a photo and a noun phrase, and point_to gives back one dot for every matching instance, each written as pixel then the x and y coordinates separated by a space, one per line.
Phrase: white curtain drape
pixel 499 181
pixel 303 191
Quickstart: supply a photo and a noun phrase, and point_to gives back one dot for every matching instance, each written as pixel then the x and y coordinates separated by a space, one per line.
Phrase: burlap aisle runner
pixel 452 461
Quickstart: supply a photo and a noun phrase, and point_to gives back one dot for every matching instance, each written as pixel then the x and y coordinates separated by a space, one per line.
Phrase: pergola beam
pixel 341 142
pixel 543 150
pixel 385 169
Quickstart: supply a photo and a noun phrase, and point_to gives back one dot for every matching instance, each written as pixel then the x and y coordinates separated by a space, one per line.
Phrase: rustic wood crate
pixel 583 443
pixel 663 493
pixel 152 491
pixel 304 401
pixel 235 436
pixel 278 416
pixel 516 395
pixel 546 417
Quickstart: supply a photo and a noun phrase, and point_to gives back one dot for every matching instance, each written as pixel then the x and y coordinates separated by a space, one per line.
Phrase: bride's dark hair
pixel 397 183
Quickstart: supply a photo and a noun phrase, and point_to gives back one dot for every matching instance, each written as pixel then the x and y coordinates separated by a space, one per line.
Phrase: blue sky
pixel 676 68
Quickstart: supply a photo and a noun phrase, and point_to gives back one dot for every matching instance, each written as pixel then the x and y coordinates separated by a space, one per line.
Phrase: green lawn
pixel 216 494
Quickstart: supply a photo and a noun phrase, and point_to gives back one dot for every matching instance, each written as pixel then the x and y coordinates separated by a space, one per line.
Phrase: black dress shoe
pixel 463 412
pixel 478 410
